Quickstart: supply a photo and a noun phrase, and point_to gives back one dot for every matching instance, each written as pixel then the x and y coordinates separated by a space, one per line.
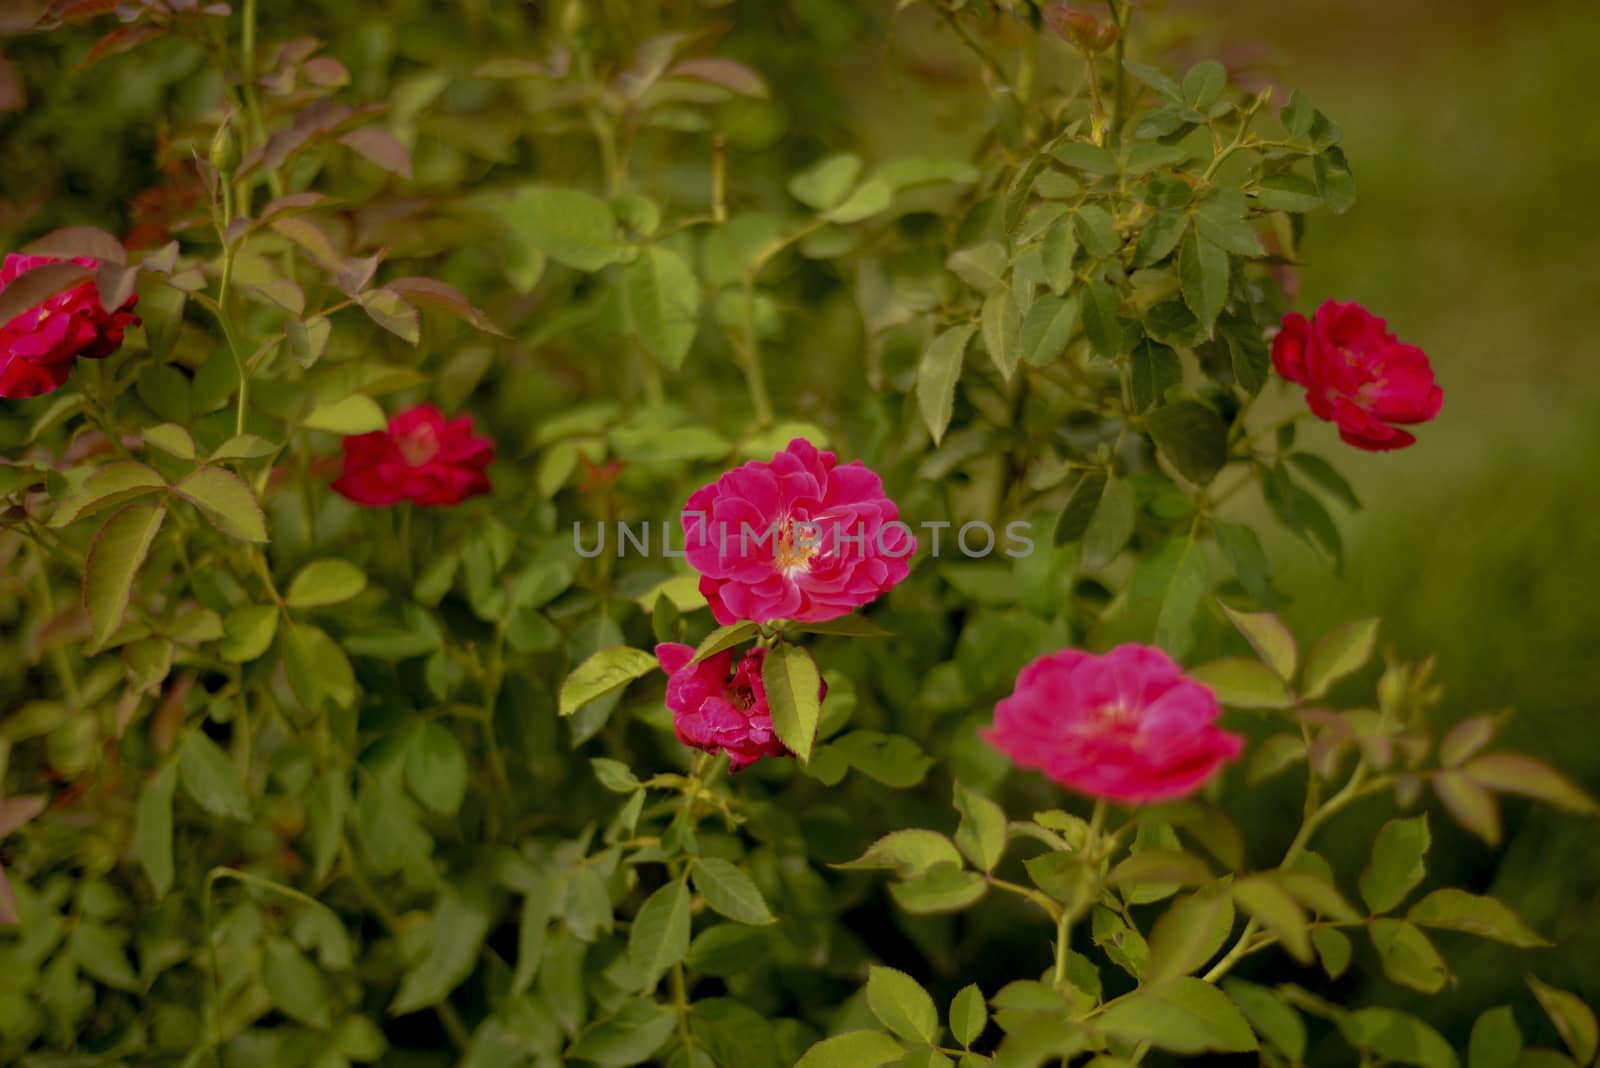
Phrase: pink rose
pixel 798 538
pixel 419 457
pixel 718 714
pixel 37 348
pixel 1358 375
pixel 1127 726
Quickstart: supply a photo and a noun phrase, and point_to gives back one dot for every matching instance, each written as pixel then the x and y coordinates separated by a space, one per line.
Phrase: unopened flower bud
pixel 225 150
pixel 1084 30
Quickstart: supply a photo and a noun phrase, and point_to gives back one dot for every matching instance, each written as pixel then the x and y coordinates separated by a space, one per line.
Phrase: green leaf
pixel 1079 511
pixel 982 831
pixel 1289 192
pixel 568 225
pixel 248 633
pixel 941 889
pixel 1153 369
pixel 1249 356
pixel 1512 773
pixel 1102 321
pixel 659 937
pixel 171 438
pixel 355 414
pixel 1572 1018
pixel 1398 1037
pixel 1056 253
pixel 1341 652
pixel 1324 474
pixel 152 828
pixel 1496 1040
pixel 870 198
pixel 99 952
pixel 1086 156
pixel 793 690
pixel 1002 333
pixel 1486 917
pixel 1242 546
pixel 1204 84
pixel 1408 957
pixel 628 1036
pixel 909 852
pixel 1188 935
pixel 824 185
pixel 1244 684
pixel 854 1049
pixel 1270 639
pixel 937 376
pixel 1047 329
pixel 392 312
pixel 1192 438
pixel 317 667
pixel 1335 181
pixel 727 950
pixel 115 555
pixel 436 767
pixel 901 1005
pixel 731 892
pixel 325 582
pixel 308 340
pixel 968 1015
pixel 211 779
pixel 1333 949
pixel 724 638
pixel 1397 863
pixel 1204 269
pixel 1273 1018
pixel 983 267
pixel 605 671
pixel 663 297
pixel 225 500
pixel 1275 910
pixel 460 924
pixel 295 985
pixel 1111 526
pixel 1155 79
pixel 1173 581
pixel 1184 1016
pixel 325 818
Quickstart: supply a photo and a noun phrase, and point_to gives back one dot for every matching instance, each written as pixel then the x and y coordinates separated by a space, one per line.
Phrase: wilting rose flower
pixel 797 538
pixel 37 347
pixel 1358 375
pixel 1127 726
pixel 719 714
pixel 420 457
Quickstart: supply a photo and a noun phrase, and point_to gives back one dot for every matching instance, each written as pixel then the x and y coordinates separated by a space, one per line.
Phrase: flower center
pixel 419 446
pixel 797 543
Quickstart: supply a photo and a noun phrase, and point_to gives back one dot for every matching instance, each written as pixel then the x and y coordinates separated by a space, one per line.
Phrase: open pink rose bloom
pixel 799 538
pixel 718 713
pixel 1128 726
pixel 1358 375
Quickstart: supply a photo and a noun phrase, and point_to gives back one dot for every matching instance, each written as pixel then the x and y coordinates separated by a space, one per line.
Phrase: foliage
pixel 287 779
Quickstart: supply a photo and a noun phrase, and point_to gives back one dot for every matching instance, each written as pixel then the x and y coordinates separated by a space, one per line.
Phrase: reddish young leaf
pixel 381 147
pixel 123 39
pixel 32 288
pixel 443 297
pixel 78 241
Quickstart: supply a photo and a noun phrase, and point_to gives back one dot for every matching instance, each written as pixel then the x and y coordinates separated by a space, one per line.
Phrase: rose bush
pixel 333 737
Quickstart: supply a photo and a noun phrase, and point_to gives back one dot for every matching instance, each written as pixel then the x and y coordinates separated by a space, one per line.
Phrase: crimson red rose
pixel 1358 375
pixel 420 457
pixel 37 348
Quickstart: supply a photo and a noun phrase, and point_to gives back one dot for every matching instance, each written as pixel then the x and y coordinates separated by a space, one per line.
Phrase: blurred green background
pixel 1472 131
